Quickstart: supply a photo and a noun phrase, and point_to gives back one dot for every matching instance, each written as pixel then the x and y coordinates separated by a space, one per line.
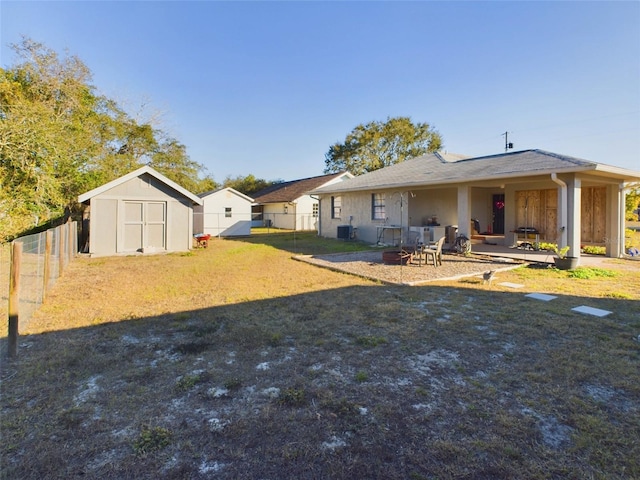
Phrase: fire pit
pixel 396 257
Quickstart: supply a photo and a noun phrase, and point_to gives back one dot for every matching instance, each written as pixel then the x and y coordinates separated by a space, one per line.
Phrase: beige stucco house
pixel 142 211
pixel 568 201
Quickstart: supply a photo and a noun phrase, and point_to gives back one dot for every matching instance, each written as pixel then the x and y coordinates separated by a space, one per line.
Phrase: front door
pixel 144 226
pixel 498 214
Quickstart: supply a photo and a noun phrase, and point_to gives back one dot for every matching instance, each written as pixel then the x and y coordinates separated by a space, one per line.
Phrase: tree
pixel 60 138
pixel 46 108
pixel 171 159
pixel 380 144
pixel 632 203
pixel 249 184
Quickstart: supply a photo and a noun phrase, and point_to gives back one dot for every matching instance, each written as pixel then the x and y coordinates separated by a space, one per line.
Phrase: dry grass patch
pixel 239 362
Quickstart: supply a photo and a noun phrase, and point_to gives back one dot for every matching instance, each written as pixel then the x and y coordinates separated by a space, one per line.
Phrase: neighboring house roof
pixel 290 191
pixel 136 173
pixel 229 189
pixel 439 168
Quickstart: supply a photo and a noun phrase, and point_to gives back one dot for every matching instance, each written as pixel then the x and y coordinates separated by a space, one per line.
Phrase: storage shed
pixel 142 211
pixel 225 212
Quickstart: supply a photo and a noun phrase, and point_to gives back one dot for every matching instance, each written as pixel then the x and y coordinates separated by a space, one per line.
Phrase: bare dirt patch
pixel 239 362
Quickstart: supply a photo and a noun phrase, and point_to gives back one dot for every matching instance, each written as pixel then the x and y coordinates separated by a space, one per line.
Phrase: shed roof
pixel 228 189
pixel 438 168
pixel 290 191
pixel 136 173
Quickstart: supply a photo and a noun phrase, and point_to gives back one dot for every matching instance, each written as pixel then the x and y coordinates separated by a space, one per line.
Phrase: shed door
pixel 144 225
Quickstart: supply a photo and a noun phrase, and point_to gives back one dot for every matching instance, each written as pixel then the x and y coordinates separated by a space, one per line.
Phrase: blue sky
pixel 265 88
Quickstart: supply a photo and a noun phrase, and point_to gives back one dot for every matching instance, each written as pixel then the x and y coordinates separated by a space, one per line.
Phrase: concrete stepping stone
pixel 511 285
pixel 541 296
pixel 591 311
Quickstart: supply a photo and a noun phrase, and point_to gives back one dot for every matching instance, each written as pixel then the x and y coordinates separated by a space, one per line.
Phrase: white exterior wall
pixel 296 215
pixel 275 212
pixel 411 211
pixel 304 213
pixel 214 219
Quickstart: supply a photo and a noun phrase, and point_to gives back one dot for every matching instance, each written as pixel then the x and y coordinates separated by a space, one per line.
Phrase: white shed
pixel 142 211
pixel 224 213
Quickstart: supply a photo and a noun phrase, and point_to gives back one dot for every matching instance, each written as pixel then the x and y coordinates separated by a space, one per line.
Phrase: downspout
pixel 319 211
pixel 563 214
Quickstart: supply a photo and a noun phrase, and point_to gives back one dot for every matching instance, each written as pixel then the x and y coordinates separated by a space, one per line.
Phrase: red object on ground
pixel 202 239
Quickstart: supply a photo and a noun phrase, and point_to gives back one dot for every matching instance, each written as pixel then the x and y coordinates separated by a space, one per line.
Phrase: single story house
pixel 142 211
pixel 224 212
pixel 568 201
pixel 288 205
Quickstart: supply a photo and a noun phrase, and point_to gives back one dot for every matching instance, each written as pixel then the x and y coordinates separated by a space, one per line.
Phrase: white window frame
pixel 378 210
pixel 336 206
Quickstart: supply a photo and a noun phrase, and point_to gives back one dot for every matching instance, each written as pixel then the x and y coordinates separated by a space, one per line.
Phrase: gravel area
pixel 369 265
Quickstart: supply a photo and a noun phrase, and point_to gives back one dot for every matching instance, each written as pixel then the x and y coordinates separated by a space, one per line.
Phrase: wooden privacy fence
pixel 34 263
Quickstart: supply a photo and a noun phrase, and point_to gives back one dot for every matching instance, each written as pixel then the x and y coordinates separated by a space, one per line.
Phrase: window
pixel 377 206
pixel 336 207
pixel 316 208
pixel 227 212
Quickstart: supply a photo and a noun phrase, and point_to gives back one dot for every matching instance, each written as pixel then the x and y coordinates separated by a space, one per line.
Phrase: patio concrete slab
pixel 591 311
pixel 541 296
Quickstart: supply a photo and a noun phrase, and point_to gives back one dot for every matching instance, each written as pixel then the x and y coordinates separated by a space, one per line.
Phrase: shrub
pixel 151 439
pixel 292 396
pixel 594 250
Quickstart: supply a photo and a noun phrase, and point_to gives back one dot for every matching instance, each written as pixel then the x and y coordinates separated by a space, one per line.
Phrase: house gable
pixel 146 174
pixel 291 191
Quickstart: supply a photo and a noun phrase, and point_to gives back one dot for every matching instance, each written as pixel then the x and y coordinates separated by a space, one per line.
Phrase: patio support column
pixel 574 218
pixel 614 240
pixel 562 209
pixel 464 210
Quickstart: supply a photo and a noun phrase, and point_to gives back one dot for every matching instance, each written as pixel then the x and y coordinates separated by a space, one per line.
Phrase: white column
pixel 464 210
pixel 574 205
pixel 562 209
pixel 614 240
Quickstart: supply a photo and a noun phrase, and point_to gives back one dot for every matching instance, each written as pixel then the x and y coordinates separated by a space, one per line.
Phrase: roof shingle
pixel 290 191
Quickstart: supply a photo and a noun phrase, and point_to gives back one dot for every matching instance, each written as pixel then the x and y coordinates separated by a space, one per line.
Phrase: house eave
pixel 594 169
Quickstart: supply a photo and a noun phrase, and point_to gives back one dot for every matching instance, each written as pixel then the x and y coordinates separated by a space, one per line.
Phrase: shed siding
pixel 103 221
pixel 142 214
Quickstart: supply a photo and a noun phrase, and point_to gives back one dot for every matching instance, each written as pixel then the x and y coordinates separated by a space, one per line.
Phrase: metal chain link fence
pixel 44 257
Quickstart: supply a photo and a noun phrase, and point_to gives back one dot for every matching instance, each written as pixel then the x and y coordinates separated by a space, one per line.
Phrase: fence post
pixel 14 298
pixel 61 240
pixel 69 242
pixel 48 242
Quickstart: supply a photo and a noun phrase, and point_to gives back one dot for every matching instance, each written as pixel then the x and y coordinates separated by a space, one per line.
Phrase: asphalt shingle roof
pixel 290 191
pixel 437 168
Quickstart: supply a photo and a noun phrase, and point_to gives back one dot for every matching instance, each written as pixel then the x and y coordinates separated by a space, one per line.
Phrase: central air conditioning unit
pixel 344 232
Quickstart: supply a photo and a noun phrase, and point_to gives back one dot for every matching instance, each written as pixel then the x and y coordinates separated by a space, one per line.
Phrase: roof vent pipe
pixel 563 208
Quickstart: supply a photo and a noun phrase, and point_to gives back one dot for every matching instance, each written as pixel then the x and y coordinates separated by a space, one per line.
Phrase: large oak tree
pixel 376 145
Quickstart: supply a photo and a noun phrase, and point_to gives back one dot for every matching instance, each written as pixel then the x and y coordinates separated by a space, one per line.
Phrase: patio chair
pixel 434 253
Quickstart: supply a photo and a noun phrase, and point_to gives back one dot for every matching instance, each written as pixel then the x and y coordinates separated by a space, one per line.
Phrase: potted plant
pixel 562 261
